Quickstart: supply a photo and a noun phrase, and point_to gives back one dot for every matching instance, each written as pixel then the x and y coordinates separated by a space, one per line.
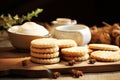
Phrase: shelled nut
pixel 56 74
pixel 76 73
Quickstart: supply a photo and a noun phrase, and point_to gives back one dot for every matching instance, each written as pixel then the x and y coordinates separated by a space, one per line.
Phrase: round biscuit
pixel 74 51
pixel 90 50
pixel 39 55
pixel 66 43
pixel 107 56
pixel 45 61
pixel 44 42
pixel 103 47
pixel 82 58
pixel 44 50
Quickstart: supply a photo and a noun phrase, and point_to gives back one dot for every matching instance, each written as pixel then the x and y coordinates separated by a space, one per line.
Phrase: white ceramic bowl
pixel 78 32
pixel 22 41
pixel 63 21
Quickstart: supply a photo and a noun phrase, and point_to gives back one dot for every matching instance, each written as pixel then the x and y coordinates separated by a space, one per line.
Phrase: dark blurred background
pixel 89 12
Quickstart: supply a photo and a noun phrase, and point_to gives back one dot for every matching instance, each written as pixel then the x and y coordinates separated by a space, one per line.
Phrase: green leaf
pixel 10 17
pixel 16 17
pixel 9 20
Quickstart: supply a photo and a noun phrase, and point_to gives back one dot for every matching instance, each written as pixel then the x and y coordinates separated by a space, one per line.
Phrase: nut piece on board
pixel 76 73
pixel 71 63
pixel 56 74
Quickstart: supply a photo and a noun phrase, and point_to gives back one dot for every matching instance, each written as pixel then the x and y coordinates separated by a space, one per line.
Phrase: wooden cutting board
pixel 16 62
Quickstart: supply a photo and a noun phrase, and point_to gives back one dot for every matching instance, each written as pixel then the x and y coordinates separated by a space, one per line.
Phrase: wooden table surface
pixel 115 75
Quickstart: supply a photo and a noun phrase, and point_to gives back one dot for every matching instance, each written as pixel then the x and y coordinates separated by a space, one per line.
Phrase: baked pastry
pixel 66 43
pixel 103 47
pixel 75 53
pixel 107 56
pixel 82 58
pixel 44 51
pixel 45 61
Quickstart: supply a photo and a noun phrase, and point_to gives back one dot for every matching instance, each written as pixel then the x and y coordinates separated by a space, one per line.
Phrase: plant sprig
pixel 9 20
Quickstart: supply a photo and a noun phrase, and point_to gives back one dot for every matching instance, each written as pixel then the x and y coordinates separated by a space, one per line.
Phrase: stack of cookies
pixel 70 51
pixel 75 53
pixel 105 52
pixel 44 51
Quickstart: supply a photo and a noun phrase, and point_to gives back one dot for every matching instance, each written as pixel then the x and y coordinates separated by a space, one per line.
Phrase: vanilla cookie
pixel 42 55
pixel 45 61
pixel 103 47
pixel 107 56
pixel 44 43
pixel 66 43
pixel 74 51
pixel 44 50
pixel 90 51
pixel 82 58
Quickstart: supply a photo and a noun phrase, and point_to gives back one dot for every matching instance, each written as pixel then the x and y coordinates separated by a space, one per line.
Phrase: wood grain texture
pixel 18 63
